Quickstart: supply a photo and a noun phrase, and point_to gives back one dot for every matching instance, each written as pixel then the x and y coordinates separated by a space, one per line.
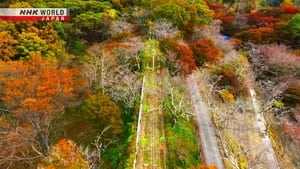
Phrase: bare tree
pixel 18 147
pixel 100 144
pixel 163 29
pixel 115 71
pixel 120 26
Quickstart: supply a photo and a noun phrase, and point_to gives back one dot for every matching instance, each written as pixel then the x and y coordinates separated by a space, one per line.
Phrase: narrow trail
pixel 269 156
pixel 207 135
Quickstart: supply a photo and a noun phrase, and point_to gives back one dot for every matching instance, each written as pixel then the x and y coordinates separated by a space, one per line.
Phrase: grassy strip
pixel 181 138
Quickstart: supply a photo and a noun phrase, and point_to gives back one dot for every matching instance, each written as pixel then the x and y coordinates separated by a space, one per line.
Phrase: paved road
pixel 207 135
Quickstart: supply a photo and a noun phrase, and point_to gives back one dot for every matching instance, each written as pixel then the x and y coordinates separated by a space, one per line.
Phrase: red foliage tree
pixel 290 9
pixel 262 35
pixel 183 60
pixel 204 50
pixel 259 20
pixel 227 23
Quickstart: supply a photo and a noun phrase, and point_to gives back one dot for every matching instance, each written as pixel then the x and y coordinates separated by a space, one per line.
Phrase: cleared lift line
pixel 150 129
pixel 207 135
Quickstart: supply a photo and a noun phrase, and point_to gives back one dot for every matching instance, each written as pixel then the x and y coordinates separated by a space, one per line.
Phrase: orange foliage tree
pixel 64 155
pixel 7 42
pixel 35 91
pixel 204 50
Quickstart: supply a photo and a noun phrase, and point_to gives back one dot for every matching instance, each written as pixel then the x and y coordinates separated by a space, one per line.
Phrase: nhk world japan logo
pixel 35 14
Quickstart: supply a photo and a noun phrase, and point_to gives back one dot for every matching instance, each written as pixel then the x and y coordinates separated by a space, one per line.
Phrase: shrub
pixel 204 50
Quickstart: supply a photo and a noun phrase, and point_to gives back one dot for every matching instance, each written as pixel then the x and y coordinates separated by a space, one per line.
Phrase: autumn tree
pixel 205 14
pixel 179 56
pixel 114 68
pixel 9 27
pixel 204 50
pixel 90 18
pixel 120 26
pixel 231 76
pixel 7 46
pixel 20 5
pixel 163 29
pixel 262 35
pixel 29 44
pixel 100 124
pixel 34 91
pixel 175 13
pixel 64 155
pixel 290 9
